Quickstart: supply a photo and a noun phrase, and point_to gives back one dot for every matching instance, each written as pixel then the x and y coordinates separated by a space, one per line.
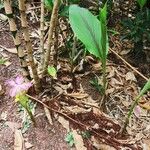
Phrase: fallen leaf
pixel 11 50
pixel 78 141
pixel 115 82
pixel 78 95
pixel 147 144
pixel 3 17
pixel 111 72
pixel 99 145
pixel 7 63
pixel 13 125
pixel 145 105
pixel 97 66
pixel 130 76
pixel 48 115
pixel 1 90
pixel 109 91
pixel 3 116
pixel 124 52
pixel 126 103
pixel 59 89
pixel 28 145
pixel 19 141
pixel 64 122
pixel 77 110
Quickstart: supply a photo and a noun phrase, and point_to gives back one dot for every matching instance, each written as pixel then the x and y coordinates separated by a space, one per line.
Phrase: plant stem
pixel 55 54
pixel 104 76
pixel 50 35
pixel 130 113
pixel 16 39
pixel 73 53
pixel 28 44
pixel 42 33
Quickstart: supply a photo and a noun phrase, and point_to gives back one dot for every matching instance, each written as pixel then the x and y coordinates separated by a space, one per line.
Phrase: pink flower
pixel 17 86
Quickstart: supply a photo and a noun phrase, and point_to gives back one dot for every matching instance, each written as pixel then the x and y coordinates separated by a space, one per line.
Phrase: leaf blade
pixel 87 29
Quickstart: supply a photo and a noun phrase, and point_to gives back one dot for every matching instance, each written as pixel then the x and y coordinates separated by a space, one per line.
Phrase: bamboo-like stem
pixel 55 52
pixel 50 35
pixel 22 9
pixel 42 33
pixel 16 39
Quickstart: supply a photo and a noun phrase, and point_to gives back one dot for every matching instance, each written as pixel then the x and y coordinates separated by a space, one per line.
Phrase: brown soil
pixel 42 137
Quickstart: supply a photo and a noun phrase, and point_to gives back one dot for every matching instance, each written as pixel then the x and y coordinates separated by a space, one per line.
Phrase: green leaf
pixel 48 4
pixel 52 71
pixel 69 139
pixel 104 41
pixel 141 3
pixel 2 61
pixel 103 14
pixel 64 11
pixel 1 5
pixel 145 88
pixel 86 135
pixel 74 1
pixel 87 29
pixel 22 99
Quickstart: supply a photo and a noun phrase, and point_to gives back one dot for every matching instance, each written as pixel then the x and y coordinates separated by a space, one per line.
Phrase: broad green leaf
pixel 145 88
pixel 87 29
pixel 52 71
pixel 22 99
pixel 141 2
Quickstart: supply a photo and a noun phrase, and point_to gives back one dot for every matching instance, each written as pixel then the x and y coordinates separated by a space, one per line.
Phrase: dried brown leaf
pixel 19 141
pixel 115 82
pixel 11 50
pixel 130 76
pixel 3 17
pixel 78 141
pixel 64 122
pixel 1 90
pixel 100 146
pixel 13 125
pixel 77 110
pixel 78 95
pixel 48 115
pixel 111 72
pixel 28 145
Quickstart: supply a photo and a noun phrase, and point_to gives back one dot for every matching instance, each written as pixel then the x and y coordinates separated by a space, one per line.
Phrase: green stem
pixel 130 113
pixel 73 53
pixel 31 116
pixel 104 76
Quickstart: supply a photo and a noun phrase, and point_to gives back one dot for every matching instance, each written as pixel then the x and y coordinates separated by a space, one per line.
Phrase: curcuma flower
pixel 18 85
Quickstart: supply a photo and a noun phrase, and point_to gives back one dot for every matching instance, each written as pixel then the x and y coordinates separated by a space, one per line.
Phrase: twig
pixel 33 8
pixel 135 70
